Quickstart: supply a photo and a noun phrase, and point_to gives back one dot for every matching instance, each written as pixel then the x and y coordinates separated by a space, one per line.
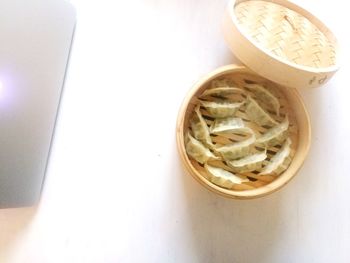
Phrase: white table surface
pixel 115 188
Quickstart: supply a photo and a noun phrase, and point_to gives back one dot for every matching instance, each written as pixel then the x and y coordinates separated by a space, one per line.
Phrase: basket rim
pixel 234 194
pixel 296 8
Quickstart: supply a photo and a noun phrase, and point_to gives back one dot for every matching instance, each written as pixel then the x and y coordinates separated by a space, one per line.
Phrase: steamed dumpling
pixel 200 129
pixel 198 151
pixel 220 83
pixel 280 161
pixel 258 114
pixel 222 91
pixel 265 96
pixel 223 178
pixel 275 135
pixel 221 109
pixel 249 163
pixel 237 149
pixel 227 125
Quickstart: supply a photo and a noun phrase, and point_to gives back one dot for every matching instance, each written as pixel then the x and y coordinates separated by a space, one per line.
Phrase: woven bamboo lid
pixel 281 42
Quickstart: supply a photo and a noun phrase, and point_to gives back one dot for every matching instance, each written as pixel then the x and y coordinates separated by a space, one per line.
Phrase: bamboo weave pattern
pixel 285 33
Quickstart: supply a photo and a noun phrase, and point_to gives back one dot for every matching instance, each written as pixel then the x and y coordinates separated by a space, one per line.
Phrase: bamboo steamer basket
pixel 282 46
pixel 281 41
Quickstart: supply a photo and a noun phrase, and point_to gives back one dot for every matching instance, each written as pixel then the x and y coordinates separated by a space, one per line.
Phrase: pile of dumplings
pixel 237 137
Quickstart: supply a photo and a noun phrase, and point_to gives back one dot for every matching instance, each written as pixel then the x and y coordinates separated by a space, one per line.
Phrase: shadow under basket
pixel 291 105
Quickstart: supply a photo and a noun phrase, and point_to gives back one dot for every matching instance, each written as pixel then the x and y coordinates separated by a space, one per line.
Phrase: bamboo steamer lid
pixel 281 42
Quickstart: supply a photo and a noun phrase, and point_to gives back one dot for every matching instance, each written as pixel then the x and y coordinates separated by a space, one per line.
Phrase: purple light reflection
pixel 1 90
pixel 7 92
